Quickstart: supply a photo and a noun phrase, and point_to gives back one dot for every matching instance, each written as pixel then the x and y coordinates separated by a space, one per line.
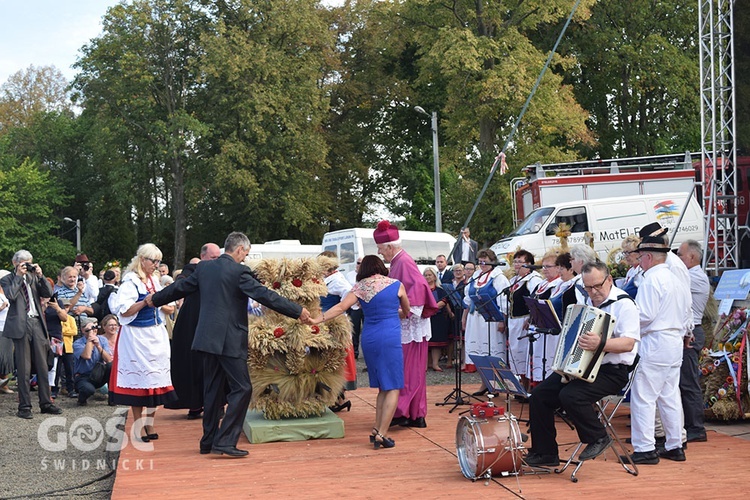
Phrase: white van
pixel 609 220
pixel 278 249
pixel 354 243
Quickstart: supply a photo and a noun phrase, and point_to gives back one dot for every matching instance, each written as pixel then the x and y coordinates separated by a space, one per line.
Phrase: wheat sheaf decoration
pixel 296 369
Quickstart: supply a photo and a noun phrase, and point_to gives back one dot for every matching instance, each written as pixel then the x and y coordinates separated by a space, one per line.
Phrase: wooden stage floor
pixel 422 465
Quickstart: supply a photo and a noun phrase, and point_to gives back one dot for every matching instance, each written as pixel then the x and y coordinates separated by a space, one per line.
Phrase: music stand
pixel 457 396
pixel 544 320
pixel 498 377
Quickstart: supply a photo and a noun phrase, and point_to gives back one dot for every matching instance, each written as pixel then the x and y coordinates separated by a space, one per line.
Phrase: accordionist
pixel 577 397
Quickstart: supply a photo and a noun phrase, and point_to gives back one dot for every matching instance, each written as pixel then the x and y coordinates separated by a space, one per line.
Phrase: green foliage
pixel 638 76
pixel 28 199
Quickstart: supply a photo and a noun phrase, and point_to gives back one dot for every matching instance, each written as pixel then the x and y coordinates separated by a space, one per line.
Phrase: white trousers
pixel 656 386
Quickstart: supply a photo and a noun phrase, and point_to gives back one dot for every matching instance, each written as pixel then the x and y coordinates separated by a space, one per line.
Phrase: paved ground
pixel 74 454
pixel 58 455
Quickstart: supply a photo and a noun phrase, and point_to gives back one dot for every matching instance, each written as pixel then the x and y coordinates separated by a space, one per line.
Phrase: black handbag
pixel 100 374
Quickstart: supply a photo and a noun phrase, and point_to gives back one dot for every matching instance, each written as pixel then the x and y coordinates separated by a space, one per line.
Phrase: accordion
pixel 570 360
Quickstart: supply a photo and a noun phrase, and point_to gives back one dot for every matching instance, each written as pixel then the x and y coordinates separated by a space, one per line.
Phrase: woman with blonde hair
pixel 141 370
pixel 629 284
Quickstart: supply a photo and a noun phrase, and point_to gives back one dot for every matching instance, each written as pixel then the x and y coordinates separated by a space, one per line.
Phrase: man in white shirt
pixel 691 254
pixel 466 249
pixel 662 305
pixel 577 397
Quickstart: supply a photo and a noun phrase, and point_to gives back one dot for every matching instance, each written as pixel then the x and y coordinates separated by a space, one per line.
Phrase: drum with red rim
pixel 488 446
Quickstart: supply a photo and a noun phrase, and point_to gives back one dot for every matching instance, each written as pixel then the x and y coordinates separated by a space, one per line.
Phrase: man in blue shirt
pixel 88 351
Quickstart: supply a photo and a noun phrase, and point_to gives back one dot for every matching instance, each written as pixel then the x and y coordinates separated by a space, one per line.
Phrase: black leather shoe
pixel 698 438
pixel 642 458
pixel 51 409
pixel 480 393
pixel 596 448
pixel 537 460
pixel 230 451
pixel 403 421
pixel 25 414
pixel 195 415
pixel 205 451
pixel 677 455
pixel 417 422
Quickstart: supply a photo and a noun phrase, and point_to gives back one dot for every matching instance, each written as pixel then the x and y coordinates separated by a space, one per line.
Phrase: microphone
pixel 531 266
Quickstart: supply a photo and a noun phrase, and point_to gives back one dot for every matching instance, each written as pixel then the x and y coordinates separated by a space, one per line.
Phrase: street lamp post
pixel 78 232
pixel 436 167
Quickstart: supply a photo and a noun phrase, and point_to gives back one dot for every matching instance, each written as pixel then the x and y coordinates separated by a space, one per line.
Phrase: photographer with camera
pixel 24 324
pixel 86 274
pixel 90 350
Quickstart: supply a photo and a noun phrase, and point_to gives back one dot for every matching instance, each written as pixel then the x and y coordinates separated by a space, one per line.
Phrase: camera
pixel 30 267
pixel 54 296
pixel 80 278
pixel 86 266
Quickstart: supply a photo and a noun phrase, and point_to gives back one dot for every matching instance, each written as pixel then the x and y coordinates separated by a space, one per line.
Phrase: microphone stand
pixel 457 397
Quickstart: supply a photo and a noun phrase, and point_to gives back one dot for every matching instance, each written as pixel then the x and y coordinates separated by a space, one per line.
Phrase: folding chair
pixel 605 418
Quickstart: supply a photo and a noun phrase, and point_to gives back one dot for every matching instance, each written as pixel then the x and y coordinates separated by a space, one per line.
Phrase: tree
pixel 638 76
pixel 473 63
pixel 30 92
pixel 144 70
pixel 28 200
pixel 265 99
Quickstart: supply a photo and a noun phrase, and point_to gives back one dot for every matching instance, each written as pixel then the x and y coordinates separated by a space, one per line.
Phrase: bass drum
pixel 488 447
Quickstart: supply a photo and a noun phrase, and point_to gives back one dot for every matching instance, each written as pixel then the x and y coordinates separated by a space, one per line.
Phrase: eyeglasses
pixel 111 324
pixel 548 267
pixel 90 329
pixel 484 263
pixel 155 262
pixel 628 252
pixel 596 287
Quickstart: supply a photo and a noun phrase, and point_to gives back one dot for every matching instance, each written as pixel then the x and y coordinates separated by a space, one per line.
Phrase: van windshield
pixel 534 222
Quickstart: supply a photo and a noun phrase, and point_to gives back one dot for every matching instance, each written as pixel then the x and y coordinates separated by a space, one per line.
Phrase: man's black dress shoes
pixel 677 454
pixel 403 421
pixel 539 460
pixel 230 451
pixel 25 414
pixel 643 457
pixel 417 422
pixel 51 409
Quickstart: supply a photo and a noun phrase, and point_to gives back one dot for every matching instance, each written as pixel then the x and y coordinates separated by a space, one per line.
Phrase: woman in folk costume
pixel 521 285
pixel 338 286
pixel 546 344
pixel 563 295
pixel 415 328
pixel 634 276
pixel 140 371
pixel 484 338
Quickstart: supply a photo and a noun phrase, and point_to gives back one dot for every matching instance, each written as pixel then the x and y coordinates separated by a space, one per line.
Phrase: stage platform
pixel 422 465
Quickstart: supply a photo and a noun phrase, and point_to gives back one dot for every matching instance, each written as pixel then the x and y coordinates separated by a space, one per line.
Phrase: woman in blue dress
pixel 382 300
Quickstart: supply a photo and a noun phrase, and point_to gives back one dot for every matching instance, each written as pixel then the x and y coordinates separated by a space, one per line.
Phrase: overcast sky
pixel 50 32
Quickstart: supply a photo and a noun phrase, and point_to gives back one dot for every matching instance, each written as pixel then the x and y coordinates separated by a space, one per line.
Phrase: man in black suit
pixel 25 326
pixel 221 336
pixel 466 249
pixel 444 274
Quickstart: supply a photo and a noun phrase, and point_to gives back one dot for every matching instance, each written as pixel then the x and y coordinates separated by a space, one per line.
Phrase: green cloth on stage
pixel 259 430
